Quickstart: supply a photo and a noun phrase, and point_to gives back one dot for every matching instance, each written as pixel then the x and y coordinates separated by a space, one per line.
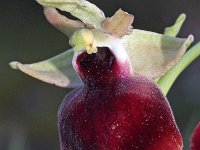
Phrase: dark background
pixel 28 107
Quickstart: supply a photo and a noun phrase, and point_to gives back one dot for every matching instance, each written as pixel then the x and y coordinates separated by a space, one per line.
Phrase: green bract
pixel 151 54
pixel 174 29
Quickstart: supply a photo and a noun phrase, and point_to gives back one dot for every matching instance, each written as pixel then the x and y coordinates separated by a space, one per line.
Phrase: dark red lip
pixel 114 112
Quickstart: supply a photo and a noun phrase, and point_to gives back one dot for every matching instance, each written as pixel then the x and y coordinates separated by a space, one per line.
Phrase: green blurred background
pixel 28 107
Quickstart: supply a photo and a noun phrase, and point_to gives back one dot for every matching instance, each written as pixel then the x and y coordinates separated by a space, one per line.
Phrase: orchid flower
pixel 149 60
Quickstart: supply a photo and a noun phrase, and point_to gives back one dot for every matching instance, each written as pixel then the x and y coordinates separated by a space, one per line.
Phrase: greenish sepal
pixel 153 54
pixel 57 70
pixel 168 79
pixel 81 9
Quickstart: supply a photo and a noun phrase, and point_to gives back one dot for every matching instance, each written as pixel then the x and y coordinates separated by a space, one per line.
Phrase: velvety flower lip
pixel 195 138
pixel 151 54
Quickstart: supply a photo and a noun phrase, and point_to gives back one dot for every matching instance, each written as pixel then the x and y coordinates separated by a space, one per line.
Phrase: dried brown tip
pixel 119 24
pixel 62 23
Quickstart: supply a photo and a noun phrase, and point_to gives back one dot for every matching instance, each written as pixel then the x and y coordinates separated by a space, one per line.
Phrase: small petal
pixel 65 25
pixel 152 54
pixel 57 70
pixel 84 10
pixel 195 139
pixel 119 24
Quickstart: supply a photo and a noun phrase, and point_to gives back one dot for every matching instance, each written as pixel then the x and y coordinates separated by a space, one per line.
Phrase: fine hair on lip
pixel 102 60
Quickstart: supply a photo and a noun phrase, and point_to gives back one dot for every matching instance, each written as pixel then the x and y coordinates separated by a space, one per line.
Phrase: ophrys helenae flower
pixel 117 103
